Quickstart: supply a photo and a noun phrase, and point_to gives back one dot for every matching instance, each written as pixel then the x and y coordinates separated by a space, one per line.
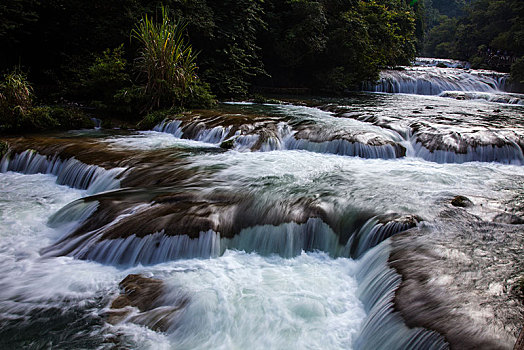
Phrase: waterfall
pixel 283 139
pixel 506 154
pixel 425 78
pixel 70 172
pixel 383 327
pixel 170 127
pixel 287 240
pixel 346 148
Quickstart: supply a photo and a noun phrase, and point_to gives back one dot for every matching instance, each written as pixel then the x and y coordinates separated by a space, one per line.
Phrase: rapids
pixel 374 221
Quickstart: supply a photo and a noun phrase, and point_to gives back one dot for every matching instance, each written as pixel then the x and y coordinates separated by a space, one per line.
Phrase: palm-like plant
pixel 167 60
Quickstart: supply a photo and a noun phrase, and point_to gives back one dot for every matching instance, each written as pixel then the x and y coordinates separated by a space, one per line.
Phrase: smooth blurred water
pixel 238 300
pixel 249 214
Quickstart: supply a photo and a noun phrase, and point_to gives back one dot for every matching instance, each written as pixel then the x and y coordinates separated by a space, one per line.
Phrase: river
pixel 388 219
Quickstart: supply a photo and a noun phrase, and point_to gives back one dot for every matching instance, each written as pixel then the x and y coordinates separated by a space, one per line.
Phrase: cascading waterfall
pixel 506 154
pixel 275 248
pixel 432 80
pixel 510 153
pixel 285 140
pixel 70 172
pixel 383 327
pixel 287 240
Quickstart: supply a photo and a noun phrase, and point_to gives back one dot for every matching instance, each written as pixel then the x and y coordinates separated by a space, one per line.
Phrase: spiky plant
pixel 15 92
pixel 166 59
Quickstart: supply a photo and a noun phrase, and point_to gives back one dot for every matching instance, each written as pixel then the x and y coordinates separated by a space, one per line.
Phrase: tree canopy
pixel 317 44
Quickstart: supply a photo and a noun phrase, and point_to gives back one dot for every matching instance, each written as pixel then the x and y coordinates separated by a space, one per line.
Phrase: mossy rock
pixel 4 147
pixel 228 144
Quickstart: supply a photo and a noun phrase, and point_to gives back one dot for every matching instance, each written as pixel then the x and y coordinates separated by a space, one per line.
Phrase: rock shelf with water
pixel 374 221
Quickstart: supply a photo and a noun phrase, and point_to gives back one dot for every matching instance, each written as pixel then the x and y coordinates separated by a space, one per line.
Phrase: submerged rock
pixel 138 291
pixel 511 219
pixel 144 294
pixel 461 201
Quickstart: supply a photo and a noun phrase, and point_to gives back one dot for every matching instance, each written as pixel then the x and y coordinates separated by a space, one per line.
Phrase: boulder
pixel 461 201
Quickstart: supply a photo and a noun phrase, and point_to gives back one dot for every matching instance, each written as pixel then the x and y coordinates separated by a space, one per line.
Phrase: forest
pixel 93 54
pixel 489 34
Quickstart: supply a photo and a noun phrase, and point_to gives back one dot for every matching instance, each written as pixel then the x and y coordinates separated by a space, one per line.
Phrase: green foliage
pixel 490 34
pixel 107 76
pixel 67 117
pixel 4 148
pixel 16 98
pixel 227 34
pixel 166 59
pixel 15 91
pixel 200 96
pixel 438 40
pixel 331 45
pixel 156 117
pixel 322 45
pixel 517 70
pixel 47 118
pixel 18 114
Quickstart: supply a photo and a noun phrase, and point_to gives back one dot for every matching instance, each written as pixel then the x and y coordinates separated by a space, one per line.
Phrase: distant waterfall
pixel 282 139
pixel 433 80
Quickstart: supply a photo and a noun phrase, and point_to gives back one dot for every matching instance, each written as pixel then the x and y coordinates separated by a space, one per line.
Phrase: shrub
pixel 168 62
pixel 16 97
pixel 166 59
pixel 36 119
pixel 106 77
pixel 54 118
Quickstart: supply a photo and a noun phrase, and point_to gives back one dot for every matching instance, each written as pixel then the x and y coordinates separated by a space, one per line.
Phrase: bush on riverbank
pixel 16 96
pixel 517 71
pixel 17 113
pixel 165 73
pixel 318 45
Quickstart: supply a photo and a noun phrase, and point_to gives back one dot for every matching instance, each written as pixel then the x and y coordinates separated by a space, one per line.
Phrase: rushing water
pixel 325 223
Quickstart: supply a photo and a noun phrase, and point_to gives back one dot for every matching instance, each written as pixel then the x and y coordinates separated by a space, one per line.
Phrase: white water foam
pixel 30 283
pixel 238 300
pixel 246 301
pixel 404 186
pixel 151 140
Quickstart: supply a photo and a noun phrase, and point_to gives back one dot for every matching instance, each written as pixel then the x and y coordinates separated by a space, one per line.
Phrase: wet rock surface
pixel 458 279
pixel 461 201
pixel 181 200
pixel 146 295
pixel 507 218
